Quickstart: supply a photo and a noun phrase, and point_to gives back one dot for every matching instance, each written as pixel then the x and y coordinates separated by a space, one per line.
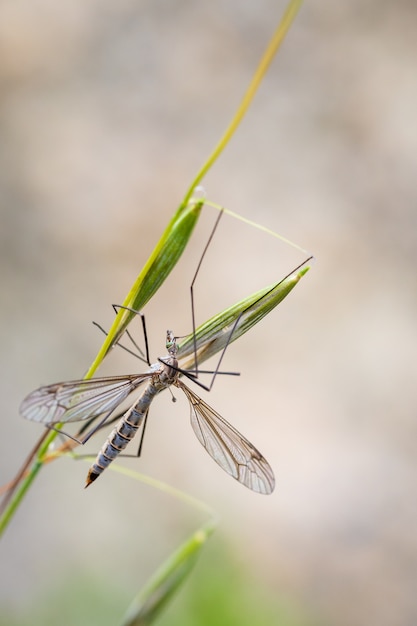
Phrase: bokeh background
pixel 108 109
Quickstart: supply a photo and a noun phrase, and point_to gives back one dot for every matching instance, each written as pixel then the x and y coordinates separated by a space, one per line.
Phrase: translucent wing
pixel 235 454
pixel 78 400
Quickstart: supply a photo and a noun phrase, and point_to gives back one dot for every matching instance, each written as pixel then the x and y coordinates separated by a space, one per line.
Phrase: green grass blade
pixel 158 591
pixel 176 235
pixel 150 601
pixel 162 260
pixel 273 46
pixel 213 335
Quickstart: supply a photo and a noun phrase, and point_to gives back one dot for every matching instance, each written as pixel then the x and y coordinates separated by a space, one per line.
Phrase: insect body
pixel 85 399
pixel 163 376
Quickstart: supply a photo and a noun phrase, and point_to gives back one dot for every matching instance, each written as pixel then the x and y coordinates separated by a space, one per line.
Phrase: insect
pixel 88 399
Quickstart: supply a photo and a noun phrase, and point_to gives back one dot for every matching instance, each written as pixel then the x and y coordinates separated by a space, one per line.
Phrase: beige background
pixel 107 112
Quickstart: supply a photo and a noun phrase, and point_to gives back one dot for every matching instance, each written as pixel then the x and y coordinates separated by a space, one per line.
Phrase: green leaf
pixel 162 260
pixel 153 597
pixel 227 326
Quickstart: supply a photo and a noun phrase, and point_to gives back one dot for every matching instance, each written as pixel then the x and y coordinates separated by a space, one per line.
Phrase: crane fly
pixel 89 399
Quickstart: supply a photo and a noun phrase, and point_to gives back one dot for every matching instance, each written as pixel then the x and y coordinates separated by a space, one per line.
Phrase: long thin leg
pixel 103 422
pixel 235 325
pixel 146 360
pixel 192 287
pixel 116 418
pixel 96 428
pixel 142 434
pixel 145 334
pixel 126 349
pixel 195 372
pixel 139 354
pixel 239 317
pixel 193 377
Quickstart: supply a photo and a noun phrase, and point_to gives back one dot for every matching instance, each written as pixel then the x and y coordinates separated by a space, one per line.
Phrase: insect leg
pixel 145 334
pixel 192 287
pixel 139 354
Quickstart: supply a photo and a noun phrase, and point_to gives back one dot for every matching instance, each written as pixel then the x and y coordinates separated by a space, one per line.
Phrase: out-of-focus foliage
pixel 221 592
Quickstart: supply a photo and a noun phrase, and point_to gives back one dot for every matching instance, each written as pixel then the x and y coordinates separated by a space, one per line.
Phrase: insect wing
pixel 78 400
pixel 235 454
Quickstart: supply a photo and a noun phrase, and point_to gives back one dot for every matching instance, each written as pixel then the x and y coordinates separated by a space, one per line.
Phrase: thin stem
pixel 162 259
pixel 277 39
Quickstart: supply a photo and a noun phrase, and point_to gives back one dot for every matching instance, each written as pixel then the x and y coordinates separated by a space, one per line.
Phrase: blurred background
pixel 108 109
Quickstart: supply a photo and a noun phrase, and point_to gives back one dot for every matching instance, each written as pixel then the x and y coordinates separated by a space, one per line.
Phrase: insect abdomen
pixel 120 436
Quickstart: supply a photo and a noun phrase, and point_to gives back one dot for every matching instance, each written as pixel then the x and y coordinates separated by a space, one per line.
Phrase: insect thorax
pixel 169 373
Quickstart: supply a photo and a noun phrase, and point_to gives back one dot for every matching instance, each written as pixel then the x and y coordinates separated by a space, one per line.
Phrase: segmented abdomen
pixel 123 432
